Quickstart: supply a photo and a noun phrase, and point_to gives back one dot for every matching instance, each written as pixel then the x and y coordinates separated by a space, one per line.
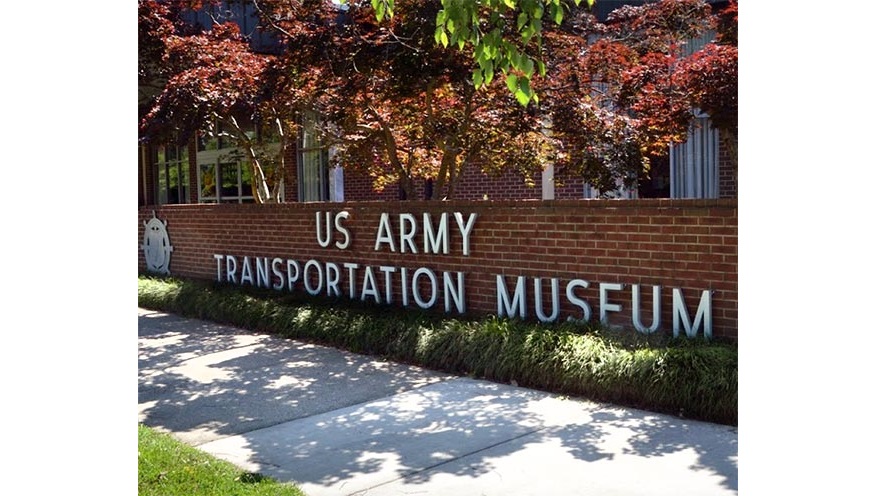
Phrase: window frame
pixel 319 190
pixel 214 153
pixel 162 165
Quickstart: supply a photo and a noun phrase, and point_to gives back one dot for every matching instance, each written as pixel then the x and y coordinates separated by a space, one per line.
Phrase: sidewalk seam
pixel 364 491
pixel 328 411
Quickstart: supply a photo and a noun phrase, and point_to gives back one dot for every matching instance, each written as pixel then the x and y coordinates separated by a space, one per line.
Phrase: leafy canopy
pixel 635 89
pixel 505 37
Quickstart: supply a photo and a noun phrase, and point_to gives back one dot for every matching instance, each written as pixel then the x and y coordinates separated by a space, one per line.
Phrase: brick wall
pixel 474 185
pixel 728 172
pixel 687 244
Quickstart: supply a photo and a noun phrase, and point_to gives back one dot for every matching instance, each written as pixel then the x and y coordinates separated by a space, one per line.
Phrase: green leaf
pixel 522 19
pixel 488 74
pixel 444 40
pixel 524 86
pixel 488 49
pixel 558 13
pixel 524 63
pixel 478 78
pixel 522 97
pixel 511 53
pixel 512 83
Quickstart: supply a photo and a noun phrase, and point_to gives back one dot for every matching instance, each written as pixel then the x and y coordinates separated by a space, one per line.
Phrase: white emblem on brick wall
pixel 156 246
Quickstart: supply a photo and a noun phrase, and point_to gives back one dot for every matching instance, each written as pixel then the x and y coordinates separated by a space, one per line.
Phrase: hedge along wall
pixel 597 250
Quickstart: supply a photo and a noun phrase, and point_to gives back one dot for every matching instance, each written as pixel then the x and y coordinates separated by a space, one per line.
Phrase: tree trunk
pixel 407 186
pixel 440 182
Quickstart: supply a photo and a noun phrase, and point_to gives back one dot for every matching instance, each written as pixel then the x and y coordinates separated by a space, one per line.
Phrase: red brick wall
pixel 359 187
pixel 509 185
pixel 728 172
pixel 474 185
pixel 687 244
pixel 568 187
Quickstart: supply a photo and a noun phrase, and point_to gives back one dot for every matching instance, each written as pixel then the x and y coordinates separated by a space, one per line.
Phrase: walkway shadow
pixel 204 381
pixel 360 423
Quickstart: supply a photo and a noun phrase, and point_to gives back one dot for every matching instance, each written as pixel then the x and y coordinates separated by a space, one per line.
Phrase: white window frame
pixel 212 161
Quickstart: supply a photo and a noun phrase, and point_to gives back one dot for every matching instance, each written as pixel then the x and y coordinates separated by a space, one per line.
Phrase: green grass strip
pixel 167 466
pixel 690 378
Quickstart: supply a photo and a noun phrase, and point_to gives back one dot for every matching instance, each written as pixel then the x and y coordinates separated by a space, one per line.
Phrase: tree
pixel 394 102
pixel 625 97
pixel 214 79
pixel 505 37
pixel 710 78
pixel 155 24
pixel 401 96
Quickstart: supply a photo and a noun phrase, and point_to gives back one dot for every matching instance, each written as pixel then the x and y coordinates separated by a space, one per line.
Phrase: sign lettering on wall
pixel 425 287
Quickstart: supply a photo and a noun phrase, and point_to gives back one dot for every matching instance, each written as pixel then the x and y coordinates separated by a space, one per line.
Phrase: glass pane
pixel 311 175
pixel 172 183
pixel 161 185
pixel 225 141
pixel 230 179
pixel 225 137
pixel 310 133
pixel 207 175
pixel 172 175
pixel 205 142
pixel 246 179
pixel 184 181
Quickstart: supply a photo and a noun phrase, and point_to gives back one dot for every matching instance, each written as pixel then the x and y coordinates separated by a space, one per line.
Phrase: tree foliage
pixel 628 94
pixel 215 84
pixel 397 104
pixel 505 36
pixel 420 91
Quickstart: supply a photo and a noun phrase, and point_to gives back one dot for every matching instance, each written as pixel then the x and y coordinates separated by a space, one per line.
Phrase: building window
pixel 695 171
pixel 313 164
pixel 171 179
pixel 225 175
pixel 621 192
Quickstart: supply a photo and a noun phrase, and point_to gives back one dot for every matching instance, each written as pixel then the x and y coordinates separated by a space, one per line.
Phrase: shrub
pixel 691 378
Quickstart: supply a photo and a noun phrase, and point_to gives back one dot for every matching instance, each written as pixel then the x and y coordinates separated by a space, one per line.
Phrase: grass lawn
pixel 169 467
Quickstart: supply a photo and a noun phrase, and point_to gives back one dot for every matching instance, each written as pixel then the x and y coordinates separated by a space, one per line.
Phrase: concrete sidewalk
pixel 337 423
